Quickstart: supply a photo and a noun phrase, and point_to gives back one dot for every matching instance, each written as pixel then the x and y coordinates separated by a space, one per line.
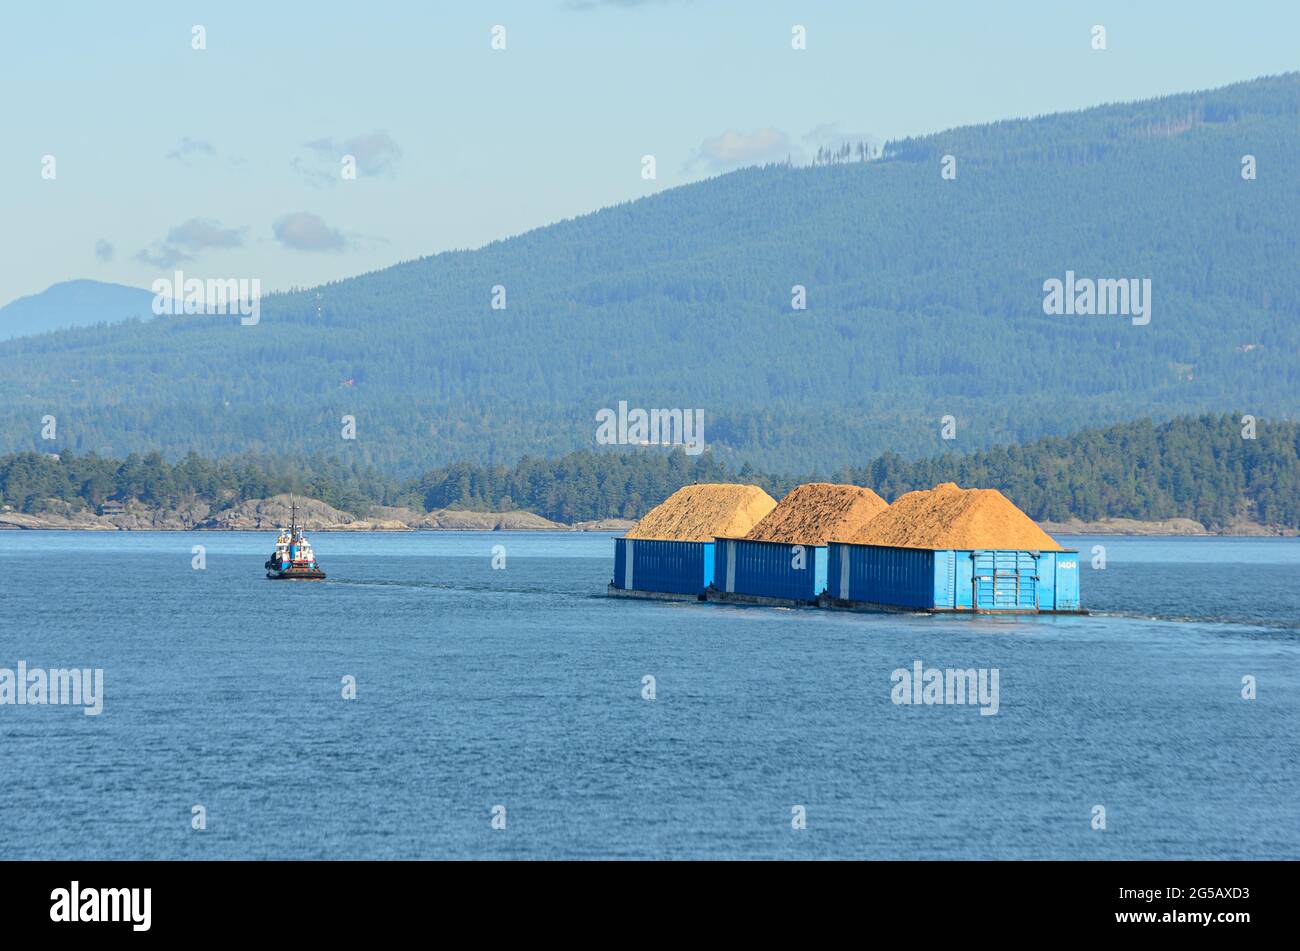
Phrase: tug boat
pixel 293 558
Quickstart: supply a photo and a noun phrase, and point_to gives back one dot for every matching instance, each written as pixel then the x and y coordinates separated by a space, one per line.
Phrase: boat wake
pixel 1263 623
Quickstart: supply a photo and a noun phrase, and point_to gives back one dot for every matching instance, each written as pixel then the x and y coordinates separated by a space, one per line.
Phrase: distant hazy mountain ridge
pixel 79 303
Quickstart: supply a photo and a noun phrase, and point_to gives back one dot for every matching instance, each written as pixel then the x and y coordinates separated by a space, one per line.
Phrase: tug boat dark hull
pixel 293 573
pixel 296 574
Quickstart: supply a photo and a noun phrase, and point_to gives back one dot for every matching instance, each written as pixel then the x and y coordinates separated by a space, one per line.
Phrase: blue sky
pixel 225 161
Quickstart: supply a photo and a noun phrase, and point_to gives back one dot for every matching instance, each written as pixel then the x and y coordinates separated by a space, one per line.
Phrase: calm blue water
pixel 522 687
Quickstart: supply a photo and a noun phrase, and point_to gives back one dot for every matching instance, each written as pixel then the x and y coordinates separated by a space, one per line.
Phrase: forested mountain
pixel 1193 467
pixel 924 299
pixel 73 304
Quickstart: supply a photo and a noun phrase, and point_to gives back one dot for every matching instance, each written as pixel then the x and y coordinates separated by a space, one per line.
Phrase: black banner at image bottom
pixel 78 900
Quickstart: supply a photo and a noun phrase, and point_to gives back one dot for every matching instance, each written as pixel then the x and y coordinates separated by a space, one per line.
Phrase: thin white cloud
pixel 376 154
pixel 188 240
pixel 189 146
pixel 303 231
pixel 733 149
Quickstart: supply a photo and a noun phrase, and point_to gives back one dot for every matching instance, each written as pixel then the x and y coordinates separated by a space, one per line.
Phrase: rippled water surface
pixel 522 687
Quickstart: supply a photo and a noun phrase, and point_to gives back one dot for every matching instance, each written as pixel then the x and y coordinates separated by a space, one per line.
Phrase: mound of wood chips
pixel 814 513
pixel 951 517
pixel 699 513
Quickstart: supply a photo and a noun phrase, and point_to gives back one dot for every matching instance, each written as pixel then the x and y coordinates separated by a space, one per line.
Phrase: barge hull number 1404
pixel 293 558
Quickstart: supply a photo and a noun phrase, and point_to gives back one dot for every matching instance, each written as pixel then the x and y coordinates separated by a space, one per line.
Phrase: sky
pixel 226 161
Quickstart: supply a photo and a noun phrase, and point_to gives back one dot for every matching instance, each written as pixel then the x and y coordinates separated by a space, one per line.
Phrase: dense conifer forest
pixel 1193 467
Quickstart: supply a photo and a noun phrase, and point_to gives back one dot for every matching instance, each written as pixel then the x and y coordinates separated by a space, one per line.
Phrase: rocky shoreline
pixel 268 515
pixel 1169 526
